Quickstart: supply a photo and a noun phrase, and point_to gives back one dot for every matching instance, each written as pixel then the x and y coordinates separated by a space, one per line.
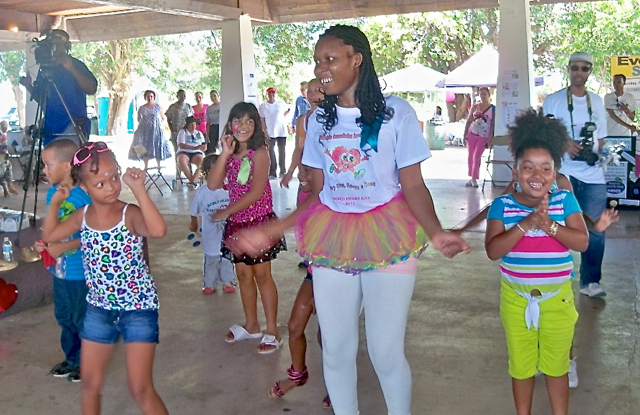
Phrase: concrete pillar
pixel 515 88
pixel 238 75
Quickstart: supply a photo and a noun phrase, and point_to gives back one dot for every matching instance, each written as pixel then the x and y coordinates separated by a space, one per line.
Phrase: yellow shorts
pixel 545 349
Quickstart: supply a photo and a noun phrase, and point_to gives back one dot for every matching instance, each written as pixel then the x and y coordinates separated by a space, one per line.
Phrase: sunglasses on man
pixel 576 68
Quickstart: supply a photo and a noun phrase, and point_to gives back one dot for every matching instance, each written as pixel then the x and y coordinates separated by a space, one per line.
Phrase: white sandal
pixel 270 340
pixel 240 333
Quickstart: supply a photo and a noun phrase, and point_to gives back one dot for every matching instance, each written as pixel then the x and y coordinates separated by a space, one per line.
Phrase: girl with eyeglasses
pixel 122 299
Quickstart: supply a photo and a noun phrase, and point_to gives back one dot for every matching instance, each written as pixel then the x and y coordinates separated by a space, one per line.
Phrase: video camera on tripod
pixel 53 118
pixel 44 50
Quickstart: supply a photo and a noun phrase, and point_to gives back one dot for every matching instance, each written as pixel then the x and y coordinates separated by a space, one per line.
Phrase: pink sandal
pixel 298 379
pixel 326 402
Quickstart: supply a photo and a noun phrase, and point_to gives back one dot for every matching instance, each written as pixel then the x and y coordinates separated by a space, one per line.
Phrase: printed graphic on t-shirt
pixel 345 160
pixel 215 206
pixel 349 168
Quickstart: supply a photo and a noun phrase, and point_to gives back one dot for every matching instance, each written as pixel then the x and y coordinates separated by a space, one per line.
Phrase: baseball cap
pixel 272 89
pixel 58 35
pixel 581 57
pixel 191 119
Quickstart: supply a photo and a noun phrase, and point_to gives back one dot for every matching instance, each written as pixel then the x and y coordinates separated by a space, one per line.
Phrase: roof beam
pixel 189 8
pixel 25 22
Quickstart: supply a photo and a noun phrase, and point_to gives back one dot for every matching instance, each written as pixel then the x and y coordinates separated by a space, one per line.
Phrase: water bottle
pixel 7 250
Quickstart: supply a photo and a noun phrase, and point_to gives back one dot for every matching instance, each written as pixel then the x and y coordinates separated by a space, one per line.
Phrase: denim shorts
pixel 106 326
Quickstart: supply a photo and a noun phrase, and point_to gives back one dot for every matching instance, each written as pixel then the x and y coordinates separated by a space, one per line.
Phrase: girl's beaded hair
pixel 92 163
pixel 369 97
pixel 533 130
pixel 259 137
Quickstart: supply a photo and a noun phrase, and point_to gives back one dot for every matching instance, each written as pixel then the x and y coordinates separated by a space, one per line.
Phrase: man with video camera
pixel 583 113
pixel 73 80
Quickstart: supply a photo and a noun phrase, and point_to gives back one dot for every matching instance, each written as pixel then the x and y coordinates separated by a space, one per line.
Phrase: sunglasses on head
pixel 84 153
pixel 576 68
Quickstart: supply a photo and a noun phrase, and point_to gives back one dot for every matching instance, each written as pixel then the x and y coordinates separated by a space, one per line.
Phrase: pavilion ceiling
pixel 94 20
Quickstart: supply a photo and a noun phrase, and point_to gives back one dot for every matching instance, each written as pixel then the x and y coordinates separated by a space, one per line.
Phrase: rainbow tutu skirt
pixel 357 242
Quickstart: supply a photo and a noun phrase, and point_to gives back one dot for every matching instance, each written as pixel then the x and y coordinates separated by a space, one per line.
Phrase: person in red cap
pixel 272 114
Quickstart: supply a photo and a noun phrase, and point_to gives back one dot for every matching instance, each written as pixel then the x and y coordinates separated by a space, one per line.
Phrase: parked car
pixel 12 118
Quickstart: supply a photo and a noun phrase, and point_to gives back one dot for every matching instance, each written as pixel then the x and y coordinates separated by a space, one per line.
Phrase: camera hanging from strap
pixel 570 107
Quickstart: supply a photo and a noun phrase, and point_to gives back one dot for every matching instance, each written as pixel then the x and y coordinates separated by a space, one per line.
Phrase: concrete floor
pixel 455 342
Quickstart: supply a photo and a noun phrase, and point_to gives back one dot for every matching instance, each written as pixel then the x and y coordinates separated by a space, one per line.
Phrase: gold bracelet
pixel 553 229
pixel 520 227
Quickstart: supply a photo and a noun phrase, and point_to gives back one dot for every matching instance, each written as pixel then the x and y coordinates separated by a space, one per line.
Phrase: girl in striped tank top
pixel 531 232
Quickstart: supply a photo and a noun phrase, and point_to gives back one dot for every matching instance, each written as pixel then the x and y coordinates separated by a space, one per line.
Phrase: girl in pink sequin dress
pixel 244 162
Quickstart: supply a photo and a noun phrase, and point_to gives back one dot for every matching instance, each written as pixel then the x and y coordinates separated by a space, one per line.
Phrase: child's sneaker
pixel 61 370
pixel 208 290
pixel 229 288
pixel 573 373
pixel 74 375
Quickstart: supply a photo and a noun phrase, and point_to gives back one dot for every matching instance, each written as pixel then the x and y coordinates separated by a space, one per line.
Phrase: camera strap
pixel 570 107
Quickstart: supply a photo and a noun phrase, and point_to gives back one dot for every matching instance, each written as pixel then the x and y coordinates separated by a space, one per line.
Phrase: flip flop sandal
pixel 240 333
pixel 270 340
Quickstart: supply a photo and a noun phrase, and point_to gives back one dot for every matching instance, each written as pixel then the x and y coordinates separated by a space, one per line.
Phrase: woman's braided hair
pixel 369 98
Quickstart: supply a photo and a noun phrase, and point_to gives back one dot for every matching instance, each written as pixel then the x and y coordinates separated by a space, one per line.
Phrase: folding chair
pixel 154 174
pixel 493 160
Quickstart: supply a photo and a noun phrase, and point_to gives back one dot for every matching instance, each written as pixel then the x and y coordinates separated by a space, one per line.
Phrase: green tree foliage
pixel 277 49
pixel 212 45
pixel 12 66
pixel 113 63
pixel 441 41
pixel 280 47
pixel 603 29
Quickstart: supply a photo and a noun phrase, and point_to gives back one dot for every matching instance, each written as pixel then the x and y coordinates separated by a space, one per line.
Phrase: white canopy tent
pixel 479 70
pixel 414 78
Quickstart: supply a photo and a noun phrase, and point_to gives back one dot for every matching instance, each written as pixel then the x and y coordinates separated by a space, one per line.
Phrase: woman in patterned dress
pixel 150 132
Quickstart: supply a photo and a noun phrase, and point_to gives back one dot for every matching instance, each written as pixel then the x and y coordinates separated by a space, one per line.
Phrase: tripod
pixel 44 84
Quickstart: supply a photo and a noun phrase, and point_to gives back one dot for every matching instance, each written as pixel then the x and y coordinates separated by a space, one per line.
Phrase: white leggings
pixel 386 298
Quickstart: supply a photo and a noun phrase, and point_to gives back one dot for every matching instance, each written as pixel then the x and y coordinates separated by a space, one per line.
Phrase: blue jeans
pixel 69 307
pixel 593 201
pixel 107 326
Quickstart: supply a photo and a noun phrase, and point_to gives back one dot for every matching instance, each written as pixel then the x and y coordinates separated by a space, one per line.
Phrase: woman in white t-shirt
pixel 358 230
pixel 191 146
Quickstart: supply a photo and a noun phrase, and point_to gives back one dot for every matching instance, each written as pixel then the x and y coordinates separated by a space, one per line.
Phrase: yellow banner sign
pixel 628 66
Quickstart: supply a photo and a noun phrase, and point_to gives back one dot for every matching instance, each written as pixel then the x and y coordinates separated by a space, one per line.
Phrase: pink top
pixel 482 122
pixel 261 207
pixel 202 117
